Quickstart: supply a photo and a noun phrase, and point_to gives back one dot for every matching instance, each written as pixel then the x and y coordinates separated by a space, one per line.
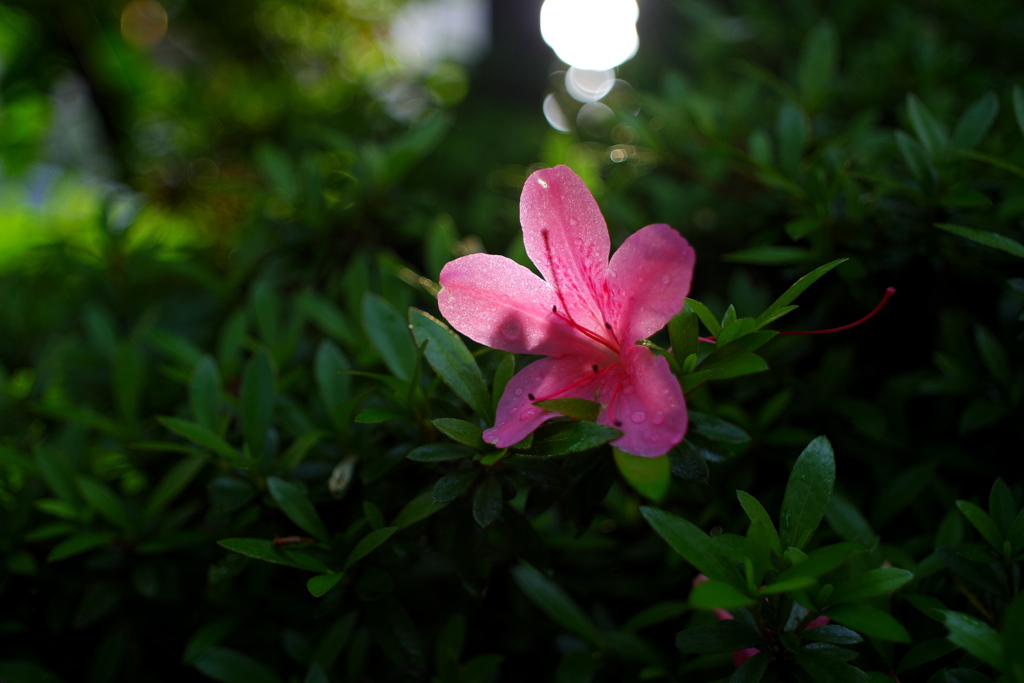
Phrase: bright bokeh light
pixel 595 35
pixel 588 86
pixel 555 116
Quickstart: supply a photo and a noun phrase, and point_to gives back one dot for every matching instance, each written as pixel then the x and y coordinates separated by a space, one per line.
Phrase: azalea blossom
pixel 586 315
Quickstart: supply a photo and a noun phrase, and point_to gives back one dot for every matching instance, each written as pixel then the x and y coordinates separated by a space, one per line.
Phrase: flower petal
pixel 649 407
pixel 567 239
pixel 649 278
pixel 499 303
pixel 517 416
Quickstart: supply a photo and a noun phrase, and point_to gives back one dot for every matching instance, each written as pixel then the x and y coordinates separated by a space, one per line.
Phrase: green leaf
pixel 822 561
pixel 24 671
pixel 327 317
pixel 257 402
pixel 576 408
pixel 80 543
pixel 870 621
pixel 487 502
pixel 827 669
pixel 440 452
pixel 59 475
pixel 103 500
pixel 689 463
pixel 976 121
pixel 832 633
pixel 655 614
pixel 816 72
pixel 718 595
pixel 769 255
pixel 297 507
pixel 204 393
pixel 333 383
pixel 929 131
pixel 694 545
pixel 848 522
pixel 774 312
pixel 374 415
pixel 198 434
pixel 791 133
pixel 389 333
pixel 725 636
pixel 569 437
pixel 417 509
pixel 451 486
pixel 1012 636
pixel 752 670
pixel 924 652
pixel 128 378
pixel 735 330
pixel 502 374
pixel 321 583
pixel 705 315
pixel 982 522
pixel 683 330
pixel 1018 106
pixel 717 429
pixel 989 239
pixel 300 448
pixel 172 484
pixel 262 549
pixel 1002 507
pixel 552 599
pixel 229 666
pixel 451 360
pixel 917 160
pixel 368 544
pixel 651 477
pixel 975 636
pixel 870 584
pixel 808 491
pixel 464 432
pixel 756 512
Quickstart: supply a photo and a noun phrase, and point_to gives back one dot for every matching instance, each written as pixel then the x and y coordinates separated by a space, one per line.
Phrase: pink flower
pixel 585 315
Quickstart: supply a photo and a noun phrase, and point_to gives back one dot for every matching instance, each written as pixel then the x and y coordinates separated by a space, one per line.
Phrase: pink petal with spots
pixel 499 303
pixel 649 278
pixel 516 416
pixel 567 239
pixel 649 405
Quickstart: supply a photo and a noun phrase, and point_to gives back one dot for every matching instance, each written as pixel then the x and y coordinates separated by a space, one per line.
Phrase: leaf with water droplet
pixel 807 493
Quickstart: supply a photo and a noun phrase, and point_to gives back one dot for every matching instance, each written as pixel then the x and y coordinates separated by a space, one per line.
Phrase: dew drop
pixel 518 392
pixel 629 390
pixel 527 414
pixel 638 417
pixel 655 438
pixel 658 418
pixel 542 183
pixel 514 410
pixel 666 279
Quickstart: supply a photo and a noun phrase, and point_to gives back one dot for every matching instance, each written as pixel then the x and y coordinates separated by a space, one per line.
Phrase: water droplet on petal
pixel 518 392
pixel 666 280
pixel 658 418
pixel 515 409
pixel 629 390
pixel 638 417
pixel 655 438
pixel 542 183
pixel 527 414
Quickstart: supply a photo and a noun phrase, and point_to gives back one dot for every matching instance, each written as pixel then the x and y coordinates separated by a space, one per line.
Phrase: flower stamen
pixel 889 291
pixel 582 380
pixel 584 331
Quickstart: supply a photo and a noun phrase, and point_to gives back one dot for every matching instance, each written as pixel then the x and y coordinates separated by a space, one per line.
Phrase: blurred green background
pixel 186 182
